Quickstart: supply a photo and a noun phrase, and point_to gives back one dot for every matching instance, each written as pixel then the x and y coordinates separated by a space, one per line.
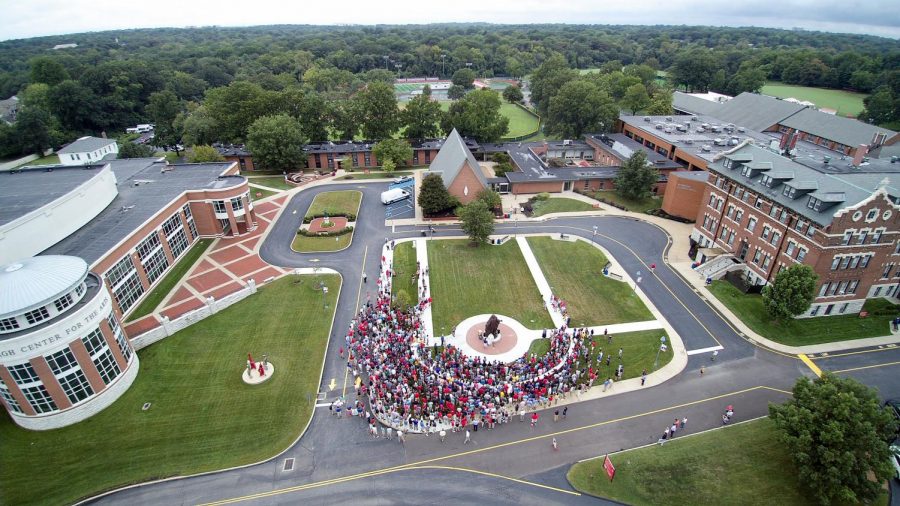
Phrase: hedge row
pixel 307 233
pixel 349 216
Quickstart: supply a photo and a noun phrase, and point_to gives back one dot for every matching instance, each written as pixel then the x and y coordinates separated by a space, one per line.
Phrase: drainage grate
pixel 288 465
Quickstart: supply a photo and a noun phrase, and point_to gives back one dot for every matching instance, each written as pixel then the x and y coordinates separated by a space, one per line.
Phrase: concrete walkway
pixel 541 282
pixel 424 290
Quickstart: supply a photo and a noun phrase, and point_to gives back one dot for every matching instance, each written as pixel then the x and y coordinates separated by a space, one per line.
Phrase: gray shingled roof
pixel 847 131
pixel 852 187
pixel 450 158
pixel 86 145
pixel 756 112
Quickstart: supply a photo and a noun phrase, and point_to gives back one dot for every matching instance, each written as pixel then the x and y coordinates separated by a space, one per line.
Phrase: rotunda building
pixel 63 354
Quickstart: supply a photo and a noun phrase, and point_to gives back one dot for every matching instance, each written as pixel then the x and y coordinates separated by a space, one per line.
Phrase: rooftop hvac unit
pixel 669 130
pixel 741 129
pixel 659 126
pixel 668 118
pixel 681 128
pixel 701 130
pixel 695 118
pixel 706 148
pixel 733 141
pixel 689 142
pixel 719 141
pixel 647 119
pixel 704 125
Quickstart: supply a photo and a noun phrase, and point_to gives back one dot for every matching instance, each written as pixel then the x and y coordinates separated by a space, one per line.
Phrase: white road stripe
pixel 705 350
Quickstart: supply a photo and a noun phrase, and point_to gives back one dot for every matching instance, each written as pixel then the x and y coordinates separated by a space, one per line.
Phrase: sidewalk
pixel 541 282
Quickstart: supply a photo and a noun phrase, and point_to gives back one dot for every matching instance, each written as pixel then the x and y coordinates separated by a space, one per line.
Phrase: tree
pixel 36 95
pixel 422 118
pixel 748 78
pixel 200 127
pixel 236 106
pixel 837 434
pixel 881 107
pixel 48 71
pixel 276 142
pixel 477 221
pixel 464 77
pixel 74 104
pixel 694 69
pixel 791 293
pixel 636 98
pixel 579 107
pixel 33 126
pixel 378 111
pixel 163 109
pixel 513 94
pixel 434 197
pixel 490 198
pixel 343 119
pixel 547 80
pixel 636 177
pixel 477 115
pixel 388 166
pixel 456 92
pixel 204 154
pixel 661 103
pixel 133 150
pixel 396 150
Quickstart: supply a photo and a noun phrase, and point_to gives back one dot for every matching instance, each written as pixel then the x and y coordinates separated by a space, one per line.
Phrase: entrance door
pixel 744 248
pixel 567 186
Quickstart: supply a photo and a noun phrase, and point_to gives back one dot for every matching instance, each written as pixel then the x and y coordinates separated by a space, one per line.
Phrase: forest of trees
pixel 210 84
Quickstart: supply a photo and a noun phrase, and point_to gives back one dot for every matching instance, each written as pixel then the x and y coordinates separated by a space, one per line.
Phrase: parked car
pixel 402 179
pixel 895 458
pixel 391 196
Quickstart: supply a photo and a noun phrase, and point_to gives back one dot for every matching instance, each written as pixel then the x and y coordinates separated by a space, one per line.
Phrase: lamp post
pixel 324 300
pixel 662 346
pixel 594 237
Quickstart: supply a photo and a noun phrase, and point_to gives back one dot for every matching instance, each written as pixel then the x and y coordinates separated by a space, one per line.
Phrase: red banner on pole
pixel 610 468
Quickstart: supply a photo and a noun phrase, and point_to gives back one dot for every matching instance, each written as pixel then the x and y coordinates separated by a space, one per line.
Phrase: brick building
pixel 762 212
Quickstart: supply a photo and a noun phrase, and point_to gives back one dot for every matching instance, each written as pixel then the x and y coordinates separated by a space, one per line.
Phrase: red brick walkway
pixel 507 342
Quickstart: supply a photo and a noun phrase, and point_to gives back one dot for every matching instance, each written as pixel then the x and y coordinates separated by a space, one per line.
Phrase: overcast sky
pixel 32 18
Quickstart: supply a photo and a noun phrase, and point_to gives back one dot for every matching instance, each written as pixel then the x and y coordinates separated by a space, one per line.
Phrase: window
pixel 428 157
pixel 814 203
pixel 739 215
pixel 836 262
pixel 871 215
pixel 730 212
pixel 854 262
pixel 886 272
pixel 178 242
pixel 824 289
pixel 864 262
pixel 789 191
pixel 219 206
pixel 148 246
pixel 156 265
pixel 23 374
pixel 766 260
pixel 8 324
pixel 723 232
pixel 94 342
pixel 811 231
pixel 842 288
pixel 124 347
pixel 128 291
pixel 171 225
pixel 76 386
pixel 39 399
pixel 731 238
pixel 756 256
pixel 751 223
pixel 122 269
pixel 10 400
pixel 765 232
pixel 832 289
pixel 790 248
pixel 775 237
pixel 876 236
pixel 783 217
pixel 801 254
pixel 37 315
pixel 186 209
pixel 846 239
pixel 719 205
pixel 63 302
pixel 851 287
pixel 416 157
pixel 862 236
pixel 237 204
pixel 815 311
pixel 79 290
pixel 61 361
pixel 843 308
pixel 758 204
pixel 107 366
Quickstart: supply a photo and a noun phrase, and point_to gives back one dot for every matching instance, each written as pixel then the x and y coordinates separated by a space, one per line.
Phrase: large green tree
pixel 422 117
pixel 133 150
pixel 883 106
pixel 396 150
pixel 276 143
pixel 204 154
pixel 377 106
pixel 343 120
pixel 434 197
pixel 580 107
pixel 695 69
pixel 791 293
pixel 74 104
pixel 636 98
pixel 477 221
pixel 235 107
pixel 661 103
pixel 464 77
pixel 838 435
pixel 200 127
pixel 636 177
pixel 33 129
pixel 456 92
pixel 47 70
pixel 163 110
pixel 477 115
pixel 547 80
pixel 513 94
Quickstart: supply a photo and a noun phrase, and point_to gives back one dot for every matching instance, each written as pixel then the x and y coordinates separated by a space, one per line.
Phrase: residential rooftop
pixel 86 145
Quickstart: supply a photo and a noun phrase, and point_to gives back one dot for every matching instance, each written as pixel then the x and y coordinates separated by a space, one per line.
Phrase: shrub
pixel 542 196
pixel 307 233
pixel 349 216
pixel 402 300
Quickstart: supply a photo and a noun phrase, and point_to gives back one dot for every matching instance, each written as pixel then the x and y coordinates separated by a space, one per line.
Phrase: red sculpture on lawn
pixel 262 370
pixel 250 359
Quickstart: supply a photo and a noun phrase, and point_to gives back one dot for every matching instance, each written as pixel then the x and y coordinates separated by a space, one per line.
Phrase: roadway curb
pixel 90 499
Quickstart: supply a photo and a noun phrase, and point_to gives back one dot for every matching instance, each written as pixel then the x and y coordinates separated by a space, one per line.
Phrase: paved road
pixel 336 461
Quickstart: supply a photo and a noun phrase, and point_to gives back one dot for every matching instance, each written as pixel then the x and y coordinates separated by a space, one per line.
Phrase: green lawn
pixel 346 202
pixel 45 160
pixel 521 122
pixel 467 281
pixel 376 175
pixel 203 417
pixel 303 244
pixel 276 182
pixel 404 269
pixel 638 206
pixel 575 271
pixel 823 329
pixel 171 278
pixel 539 347
pixel 741 464
pixel 847 103
pixel 560 205
pixel 259 194
pixel 638 354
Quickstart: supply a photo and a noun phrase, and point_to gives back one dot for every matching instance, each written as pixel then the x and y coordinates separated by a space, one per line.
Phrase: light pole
pixel 324 300
pixel 662 346
pixel 594 237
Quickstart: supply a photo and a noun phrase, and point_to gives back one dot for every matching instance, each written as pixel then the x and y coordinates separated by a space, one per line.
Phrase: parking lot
pixel 404 208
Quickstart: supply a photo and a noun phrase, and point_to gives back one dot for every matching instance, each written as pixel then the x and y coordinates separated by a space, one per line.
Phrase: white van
pixel 144 127
pixel 132 130
pixel 391 196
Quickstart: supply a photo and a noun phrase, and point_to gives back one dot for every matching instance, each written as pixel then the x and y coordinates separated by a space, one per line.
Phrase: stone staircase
pixel 719 266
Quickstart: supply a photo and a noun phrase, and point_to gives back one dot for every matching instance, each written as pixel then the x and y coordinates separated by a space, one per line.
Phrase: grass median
pixel 202 418
pixel 339 202
pixel 575 272
pixel 468 281
pixel 560 205
pixel 404 272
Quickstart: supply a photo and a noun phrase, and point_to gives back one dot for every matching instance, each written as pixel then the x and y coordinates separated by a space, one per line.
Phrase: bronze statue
pixel 493 326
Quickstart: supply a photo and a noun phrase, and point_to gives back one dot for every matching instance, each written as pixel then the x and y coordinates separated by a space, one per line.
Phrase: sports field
pixel 847 103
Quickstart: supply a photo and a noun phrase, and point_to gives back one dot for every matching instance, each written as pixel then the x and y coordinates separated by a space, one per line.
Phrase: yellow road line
pixel 493 475
pixel 809 363
pixel 866 367
pixel 356 308
pixel 788 392
pixel 478 450
pixel 833 355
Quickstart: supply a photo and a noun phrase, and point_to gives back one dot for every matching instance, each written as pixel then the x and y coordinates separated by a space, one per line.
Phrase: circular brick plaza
pixel 507 341
pixel 338 223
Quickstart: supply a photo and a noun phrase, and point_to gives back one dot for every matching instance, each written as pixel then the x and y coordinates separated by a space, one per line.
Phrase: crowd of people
pixel 409 386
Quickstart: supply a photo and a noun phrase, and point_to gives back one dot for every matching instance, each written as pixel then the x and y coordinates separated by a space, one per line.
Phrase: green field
pixel 559 205
pixel 202 418
pixel 847 103
pixel 170 280
pixel 575 273
pixel 521 122
pixel 345 202
pixel 45 160
pixel 468 281
pixel 276 182
pixel 404 271
pixel 741 464
pixel 823 329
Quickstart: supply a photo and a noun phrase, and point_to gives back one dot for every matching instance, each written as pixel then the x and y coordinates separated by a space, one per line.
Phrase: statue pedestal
pixel 252 377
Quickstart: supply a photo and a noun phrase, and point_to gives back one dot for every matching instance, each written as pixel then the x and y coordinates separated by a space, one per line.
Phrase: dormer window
pixel 814 204
pixel 789 191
